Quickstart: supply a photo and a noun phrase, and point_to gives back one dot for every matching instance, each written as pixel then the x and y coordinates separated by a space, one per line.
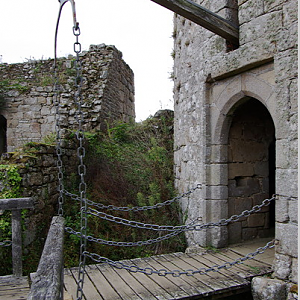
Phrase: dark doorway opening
pixel 251 170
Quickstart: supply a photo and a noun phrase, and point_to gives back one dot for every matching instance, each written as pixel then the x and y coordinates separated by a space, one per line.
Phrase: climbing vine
pixel 10 182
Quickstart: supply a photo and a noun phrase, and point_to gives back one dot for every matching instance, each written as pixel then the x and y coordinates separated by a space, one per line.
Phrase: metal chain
pixel 134 208
pixel 173 233
pixel 176 273
pixel 81 167
pixel 124 244
pixel 80 138
pixel 59 151
pixel 189 227
pixel 5 243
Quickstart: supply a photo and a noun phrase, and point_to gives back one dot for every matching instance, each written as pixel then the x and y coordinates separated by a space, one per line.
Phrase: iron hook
pixel 62 3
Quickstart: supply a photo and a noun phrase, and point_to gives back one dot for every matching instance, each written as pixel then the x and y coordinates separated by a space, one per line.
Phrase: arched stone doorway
pixel 3 129
pixel 251 169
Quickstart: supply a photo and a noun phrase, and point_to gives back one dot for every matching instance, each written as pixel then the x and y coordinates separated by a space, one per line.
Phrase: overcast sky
pixel 140 29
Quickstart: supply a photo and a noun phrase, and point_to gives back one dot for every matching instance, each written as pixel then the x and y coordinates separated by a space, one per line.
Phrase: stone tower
pixel 28 112
pixel 236 125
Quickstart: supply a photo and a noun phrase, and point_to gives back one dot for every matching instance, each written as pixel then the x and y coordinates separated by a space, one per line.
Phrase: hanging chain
pixel 81 167
pixel 189 227
pixel 59 151
pixel 175 230
pixel 176 273
pixel 135 208
pixel 80 138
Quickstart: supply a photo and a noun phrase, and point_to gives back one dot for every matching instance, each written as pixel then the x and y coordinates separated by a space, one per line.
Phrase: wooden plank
pixel 15 294
pixel 70 283
pixel 240 269
pixel 124 291
pixel 243 249
pixel 213 279
pixel 197 279
pixel 211 260
pixel 139 289
pixel 171 285
pixel 16 203
pixel 155 287
pixel 165 263
pixel 48 280
pixel 254 267
pixel 90 292
pixel 203 17
pixel 14 288
pixel 104 287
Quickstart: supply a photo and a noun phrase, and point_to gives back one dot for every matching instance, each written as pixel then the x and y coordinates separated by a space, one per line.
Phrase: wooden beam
pixel 47 282
pixel 16 229
pixel 203 17
pixel 16 203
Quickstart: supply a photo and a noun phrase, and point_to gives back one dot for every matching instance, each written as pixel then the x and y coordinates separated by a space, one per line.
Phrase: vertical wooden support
pixel 47 282
pixel 16 205
pixel 16 242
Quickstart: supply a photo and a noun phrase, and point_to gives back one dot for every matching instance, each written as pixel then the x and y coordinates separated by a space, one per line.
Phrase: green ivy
pixel 10 180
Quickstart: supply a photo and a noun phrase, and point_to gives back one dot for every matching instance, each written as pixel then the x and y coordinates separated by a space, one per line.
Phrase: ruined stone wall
pixel 107 94
pixel 210 84
pixel 37 165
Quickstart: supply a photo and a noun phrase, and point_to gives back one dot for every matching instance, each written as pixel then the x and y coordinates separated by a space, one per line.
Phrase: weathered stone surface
pixel 107 93
pixel 264 68
pixel 282 266
pixel 287 234
pixel 266 288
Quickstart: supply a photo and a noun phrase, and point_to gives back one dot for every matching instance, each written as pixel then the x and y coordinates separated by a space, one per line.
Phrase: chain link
pixel 59 150
pixel 190 227
pixel 134 208
pixel 176 273
pixel 175 230
pixel 5 243
pixel 124 244
pixel 81 166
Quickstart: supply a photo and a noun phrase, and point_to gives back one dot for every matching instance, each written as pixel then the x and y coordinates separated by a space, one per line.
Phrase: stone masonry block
pixel 217 210
pixel 287 234
pixel 250 10
pixel 256 220
pixel 264 26
pixel 270 4
pixel 287 182
pixel 282 266
pixel 266 288
pixel 218 192
pixel 293 210
pixel 218 174
pixel 290 14
pixel 294 273
pixel 234 232
pixel 218 153
pixel 240 169
pixel 282 154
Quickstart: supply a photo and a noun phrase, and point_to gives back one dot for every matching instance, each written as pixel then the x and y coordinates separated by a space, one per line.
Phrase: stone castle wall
pixel 29 111
pixel 240 162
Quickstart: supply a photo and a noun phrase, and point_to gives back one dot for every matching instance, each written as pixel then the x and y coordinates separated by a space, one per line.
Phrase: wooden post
pixel 16 205
pixel 203 17
pixel 16 242
pixel 47 282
